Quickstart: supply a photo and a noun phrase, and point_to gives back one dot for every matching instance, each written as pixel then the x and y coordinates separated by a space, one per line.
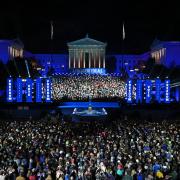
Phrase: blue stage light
pixel 39 89
pixel 139 91
pixel 48 90
pixel 158 90
pixel 129 91
pixel 167 91
pixel 29 85
pixel 9 90
pixel 148 85
pixel 19 90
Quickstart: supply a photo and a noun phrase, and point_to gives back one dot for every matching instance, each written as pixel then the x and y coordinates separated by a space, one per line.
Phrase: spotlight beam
pixel 16 67
pixel 27 67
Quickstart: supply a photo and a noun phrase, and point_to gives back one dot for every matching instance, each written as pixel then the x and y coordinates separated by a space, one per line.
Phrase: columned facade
pixel 86 53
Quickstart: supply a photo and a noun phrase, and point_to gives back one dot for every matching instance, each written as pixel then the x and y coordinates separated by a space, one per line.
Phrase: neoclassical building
pixel 86 53
pixel 10 49
pixel 89 55
pixel 166 52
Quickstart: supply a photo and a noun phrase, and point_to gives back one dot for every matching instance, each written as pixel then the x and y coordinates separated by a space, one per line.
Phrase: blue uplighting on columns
pixel 129 91
pixel 38 90
pixel 139 91
pixel 158 90
pixel 9 90
pixel 148 89
pixel 48 90
pixel 29 90
pixel 177 94
pixel 19 90
pixel 167 91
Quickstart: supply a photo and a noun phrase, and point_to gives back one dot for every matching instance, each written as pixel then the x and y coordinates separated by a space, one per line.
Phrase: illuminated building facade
pixel 86 53
pixel 58 62
pixel 166 52
pixel 90 55
pixel 10 49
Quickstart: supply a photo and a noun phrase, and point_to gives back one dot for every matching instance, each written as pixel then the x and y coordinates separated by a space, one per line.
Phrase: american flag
pixel 123 32
pixel 52 31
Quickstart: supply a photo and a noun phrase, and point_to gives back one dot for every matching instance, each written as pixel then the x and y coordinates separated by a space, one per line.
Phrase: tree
pixel 155 70
pixel 3 75
pixel 21 66
pixel 174 73
pixel 51 70
pixel 111 64
pixel 149 65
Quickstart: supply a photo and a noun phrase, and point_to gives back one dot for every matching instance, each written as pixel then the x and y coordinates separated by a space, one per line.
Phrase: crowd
pixel 81 87
pixel 55 150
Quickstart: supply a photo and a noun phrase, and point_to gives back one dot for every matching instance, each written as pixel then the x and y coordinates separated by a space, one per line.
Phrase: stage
pixel 86 105
pixel 38 110
pixel 87 111
pixel 89 114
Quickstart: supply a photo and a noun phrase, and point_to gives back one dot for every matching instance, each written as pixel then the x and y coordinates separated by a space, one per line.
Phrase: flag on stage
pixel 52 30
pixel 123 32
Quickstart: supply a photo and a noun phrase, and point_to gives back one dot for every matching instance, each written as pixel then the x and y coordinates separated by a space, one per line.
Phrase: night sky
pixel 102 20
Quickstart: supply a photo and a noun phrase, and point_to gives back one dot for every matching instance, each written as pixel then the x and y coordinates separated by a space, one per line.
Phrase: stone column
pixel 69 59
pixel 82 56
pixel 99 58
pixel 83 52
pixel 104 65
pixel 94 59
pixel 74 58
pixel 90 57
pixel 89 52
pixel 102 58
pixel 79 59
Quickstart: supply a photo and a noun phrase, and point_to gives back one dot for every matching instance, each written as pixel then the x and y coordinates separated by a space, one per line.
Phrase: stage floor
pixel 96 112
pixel 86 105
pixel 88 114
